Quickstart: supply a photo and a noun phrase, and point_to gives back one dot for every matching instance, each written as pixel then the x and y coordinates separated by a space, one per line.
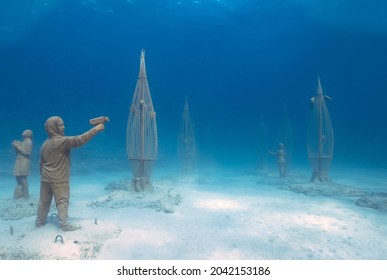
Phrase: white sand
pixel 224 214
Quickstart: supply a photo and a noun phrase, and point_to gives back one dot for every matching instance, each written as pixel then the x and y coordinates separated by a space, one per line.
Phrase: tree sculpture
pixel 186 147
pixel 286 136
pixel 320 136
pixel 262 145
pixel 141 132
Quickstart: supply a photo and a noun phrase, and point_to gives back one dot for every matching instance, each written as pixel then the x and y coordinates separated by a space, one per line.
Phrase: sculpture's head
pixel 281 145
pixel 54 126
pixel 27 133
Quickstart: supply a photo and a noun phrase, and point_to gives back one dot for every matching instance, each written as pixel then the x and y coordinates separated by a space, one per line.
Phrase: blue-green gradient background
pixel 233 59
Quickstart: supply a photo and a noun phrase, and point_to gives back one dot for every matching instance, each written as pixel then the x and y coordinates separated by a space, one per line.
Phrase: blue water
pixel 233 59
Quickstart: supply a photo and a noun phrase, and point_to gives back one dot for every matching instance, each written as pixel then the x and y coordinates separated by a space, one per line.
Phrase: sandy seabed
pixel 219 215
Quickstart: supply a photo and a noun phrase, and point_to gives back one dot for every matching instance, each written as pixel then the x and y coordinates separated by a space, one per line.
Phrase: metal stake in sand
pixel 59 238
pixel 320 136
pixel 186 146
pixel 141 132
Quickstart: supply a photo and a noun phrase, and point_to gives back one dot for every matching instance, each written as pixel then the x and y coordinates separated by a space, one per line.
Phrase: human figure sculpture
pixel 55 170
pixel 21 168
pixel 280 154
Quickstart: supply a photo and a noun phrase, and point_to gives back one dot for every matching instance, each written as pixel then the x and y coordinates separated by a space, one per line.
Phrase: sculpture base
pixel 142 184
pixel 320 176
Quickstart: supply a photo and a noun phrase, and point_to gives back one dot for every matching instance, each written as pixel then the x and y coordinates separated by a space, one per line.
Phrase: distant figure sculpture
pixel 55 170
pixel 280 154
pixel 21 168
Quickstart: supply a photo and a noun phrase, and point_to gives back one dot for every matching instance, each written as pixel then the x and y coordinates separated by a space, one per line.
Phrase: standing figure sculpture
pixel 141 132
pixel 55 170
pixel 281 162
pixel 320 136
pixel 21 168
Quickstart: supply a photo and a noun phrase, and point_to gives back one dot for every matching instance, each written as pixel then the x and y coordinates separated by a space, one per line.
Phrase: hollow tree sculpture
pixel 186 146
pixel 262 144
pixel 320 136
pixel 141 132
pixel 286 136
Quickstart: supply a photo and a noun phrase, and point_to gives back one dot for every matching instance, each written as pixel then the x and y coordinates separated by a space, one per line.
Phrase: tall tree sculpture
pixel 285 136
pixel 262 145
pixel 141 132
pixel 186 146
pixel 320 136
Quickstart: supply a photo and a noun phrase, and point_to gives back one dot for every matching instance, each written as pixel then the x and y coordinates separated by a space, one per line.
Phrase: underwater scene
pixel 203 130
